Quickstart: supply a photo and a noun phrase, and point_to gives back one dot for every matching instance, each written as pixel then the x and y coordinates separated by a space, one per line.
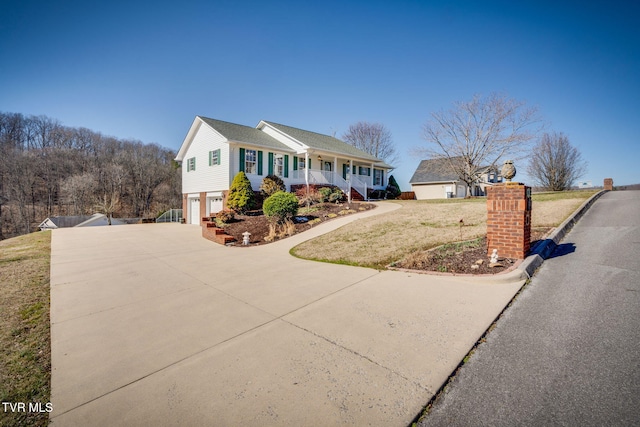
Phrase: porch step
pixel 355 195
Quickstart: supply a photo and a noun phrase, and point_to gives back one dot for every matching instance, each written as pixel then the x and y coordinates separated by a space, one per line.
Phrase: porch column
pixel 350 175
pixel 306 170
pixel 335 171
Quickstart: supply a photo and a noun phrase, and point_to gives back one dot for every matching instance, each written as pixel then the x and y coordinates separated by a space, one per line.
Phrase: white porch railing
pixel 321 177
pixel 359 185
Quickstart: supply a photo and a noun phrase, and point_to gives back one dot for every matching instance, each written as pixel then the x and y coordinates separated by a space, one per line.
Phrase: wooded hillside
pixel 47 169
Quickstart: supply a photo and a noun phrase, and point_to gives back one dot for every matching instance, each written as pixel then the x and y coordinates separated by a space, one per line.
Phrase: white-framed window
pixel 301 164
pixel 250 161
pixel 191 164
pixel 278 165
pixel 214 157
pixel 364 171
pixel 377 177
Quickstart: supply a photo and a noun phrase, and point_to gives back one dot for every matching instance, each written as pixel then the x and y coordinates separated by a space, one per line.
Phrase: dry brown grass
pixel 25 345
pixel 421 225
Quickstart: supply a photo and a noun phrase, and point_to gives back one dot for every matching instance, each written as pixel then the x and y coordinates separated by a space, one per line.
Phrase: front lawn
pixel 25 346
pixel 420 225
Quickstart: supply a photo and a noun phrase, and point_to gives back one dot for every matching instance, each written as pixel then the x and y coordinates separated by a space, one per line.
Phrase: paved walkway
pixel 154 325
pixel 566 352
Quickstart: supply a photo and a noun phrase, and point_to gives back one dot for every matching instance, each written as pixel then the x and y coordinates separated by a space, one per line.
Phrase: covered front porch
pixel 346 174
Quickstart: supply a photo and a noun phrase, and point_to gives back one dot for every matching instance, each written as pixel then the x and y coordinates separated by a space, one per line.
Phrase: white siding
pixel 255 179
pixel 429 191
pixel 205 177
pixel 438 190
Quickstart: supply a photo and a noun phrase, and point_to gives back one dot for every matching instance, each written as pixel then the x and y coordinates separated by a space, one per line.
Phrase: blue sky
pixel 144 70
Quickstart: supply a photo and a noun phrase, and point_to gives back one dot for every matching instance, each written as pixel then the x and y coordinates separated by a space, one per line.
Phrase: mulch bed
pixel 463 257
pixel 258 225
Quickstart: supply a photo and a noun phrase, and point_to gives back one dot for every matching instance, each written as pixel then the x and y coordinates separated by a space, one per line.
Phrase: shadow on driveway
pixel 563 249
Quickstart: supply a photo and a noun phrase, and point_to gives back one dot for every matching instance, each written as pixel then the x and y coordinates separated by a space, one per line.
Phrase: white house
pixel 433 179
pixel 214 151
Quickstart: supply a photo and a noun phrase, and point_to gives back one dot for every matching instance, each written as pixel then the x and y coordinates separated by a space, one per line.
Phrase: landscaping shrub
pixel 271 184
pixel 225 216
pixel 310 198
pixel 336 196
pixel 325 193
pixel 378 194
pixel 241 197
pixel 280 206
pixel 393 189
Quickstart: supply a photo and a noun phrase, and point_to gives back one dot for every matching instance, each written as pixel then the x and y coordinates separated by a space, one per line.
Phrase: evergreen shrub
pixel 393 189
pixel 271 184
pixel 241 197
pixel 280 206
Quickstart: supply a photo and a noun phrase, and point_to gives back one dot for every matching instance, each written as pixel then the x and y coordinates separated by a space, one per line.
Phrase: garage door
pixel 194 211
pixel 215 204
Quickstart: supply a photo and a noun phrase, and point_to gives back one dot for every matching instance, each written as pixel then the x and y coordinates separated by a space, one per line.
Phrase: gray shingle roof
pixel 433 170
pixel 439 170
pixel 246 134
pixel 323 142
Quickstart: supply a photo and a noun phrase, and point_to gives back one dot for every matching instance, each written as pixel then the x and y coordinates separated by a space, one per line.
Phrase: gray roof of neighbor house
pixel 247 134
pixel 326 143
pixel 66 221
pixel 433 170
pixel 438 170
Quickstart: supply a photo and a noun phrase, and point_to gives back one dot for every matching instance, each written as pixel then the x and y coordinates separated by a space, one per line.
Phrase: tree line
pixel 47 169
pixel 483 132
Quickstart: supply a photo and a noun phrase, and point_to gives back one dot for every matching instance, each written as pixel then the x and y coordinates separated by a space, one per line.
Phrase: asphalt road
pixel 567 352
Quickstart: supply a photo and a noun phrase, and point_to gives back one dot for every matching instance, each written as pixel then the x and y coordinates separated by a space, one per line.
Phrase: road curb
pixel 546 247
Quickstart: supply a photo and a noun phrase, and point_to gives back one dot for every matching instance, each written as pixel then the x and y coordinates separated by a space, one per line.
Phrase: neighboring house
pixel 433 179
pixel 54 222
pixel 214 151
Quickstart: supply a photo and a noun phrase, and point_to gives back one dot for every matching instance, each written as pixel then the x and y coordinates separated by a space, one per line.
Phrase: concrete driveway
pixel 154 325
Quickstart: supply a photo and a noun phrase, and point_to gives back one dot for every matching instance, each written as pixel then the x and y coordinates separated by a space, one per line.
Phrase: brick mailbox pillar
pixel 509 220
pixel 608 184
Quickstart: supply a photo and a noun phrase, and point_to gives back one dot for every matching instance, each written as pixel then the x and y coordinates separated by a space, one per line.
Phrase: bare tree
pixel 108 204
pixel 479 133
pixel 50 169
pixel 556 164
pixel 372 138
pixel 79 192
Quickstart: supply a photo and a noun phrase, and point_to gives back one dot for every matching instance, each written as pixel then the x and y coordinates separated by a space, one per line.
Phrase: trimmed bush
pixel 241 197
pixel 271 184
pixel 336 196
pixel 225 216
pixel 325 192
pixel 280 206
pixel 393 189
pixel 309 199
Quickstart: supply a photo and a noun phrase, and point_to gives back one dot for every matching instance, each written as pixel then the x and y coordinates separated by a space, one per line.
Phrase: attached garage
pixel 194 210
pixel 214 202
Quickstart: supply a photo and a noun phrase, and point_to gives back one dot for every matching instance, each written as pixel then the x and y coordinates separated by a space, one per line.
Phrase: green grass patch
pixel 25 344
